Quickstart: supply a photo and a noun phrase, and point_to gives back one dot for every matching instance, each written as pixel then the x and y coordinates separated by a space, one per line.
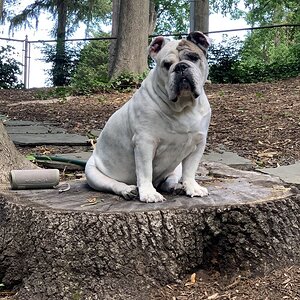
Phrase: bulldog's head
pixel 181 66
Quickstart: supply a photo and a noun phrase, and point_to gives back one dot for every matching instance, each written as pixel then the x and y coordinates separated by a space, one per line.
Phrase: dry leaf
pixel 91 201
pixel 267 154
pixel 192 280
pixel 286 281
pixel 214 296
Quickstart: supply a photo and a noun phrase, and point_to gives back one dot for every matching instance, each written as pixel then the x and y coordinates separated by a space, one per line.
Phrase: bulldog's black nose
pixel 181 67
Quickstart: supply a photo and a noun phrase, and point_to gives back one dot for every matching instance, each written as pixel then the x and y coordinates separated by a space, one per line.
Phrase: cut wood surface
pixel 82 244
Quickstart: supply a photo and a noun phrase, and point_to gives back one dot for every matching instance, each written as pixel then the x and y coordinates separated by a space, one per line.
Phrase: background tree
pixel 130 24
pixel 199 19
pixel 67 15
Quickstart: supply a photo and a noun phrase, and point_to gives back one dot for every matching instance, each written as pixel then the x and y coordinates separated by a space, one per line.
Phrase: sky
pixel 37 74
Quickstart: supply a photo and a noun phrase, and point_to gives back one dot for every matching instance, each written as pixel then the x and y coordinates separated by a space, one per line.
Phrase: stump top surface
pixel 226 186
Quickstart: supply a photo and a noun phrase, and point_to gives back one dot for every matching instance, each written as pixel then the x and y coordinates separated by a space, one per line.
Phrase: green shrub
pixel 61 71
pixel 255 60
pixel 92 70
pixel 10 68
pixel 223 59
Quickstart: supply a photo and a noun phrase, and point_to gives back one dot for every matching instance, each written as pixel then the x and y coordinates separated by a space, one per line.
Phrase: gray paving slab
pixel 79 155
pixel 289 174
pixel 26 123
pixel 59 139
pixel 34 129
pixel 19 123
pixel 229 158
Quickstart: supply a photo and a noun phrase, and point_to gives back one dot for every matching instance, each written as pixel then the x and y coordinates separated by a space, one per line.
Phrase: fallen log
pixel 83 244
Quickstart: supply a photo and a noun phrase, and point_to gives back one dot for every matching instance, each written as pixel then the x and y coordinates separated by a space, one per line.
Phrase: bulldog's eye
pixel 167 65
pixel 193 56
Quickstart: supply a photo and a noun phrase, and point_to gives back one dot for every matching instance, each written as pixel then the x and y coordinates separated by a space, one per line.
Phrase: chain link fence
pixel 36 68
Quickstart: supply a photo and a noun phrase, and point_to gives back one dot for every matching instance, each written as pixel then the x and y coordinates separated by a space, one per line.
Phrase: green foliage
pixel 172 16
pixel 127 81
pixel 262 58
pixel 55 92
pixel 87 11
pixel 262 12
pixel 63 69
pixel 271 54
pixel 68 16
pixel 10 68
pixel 92 69
pixel 223 59
pixel 226 7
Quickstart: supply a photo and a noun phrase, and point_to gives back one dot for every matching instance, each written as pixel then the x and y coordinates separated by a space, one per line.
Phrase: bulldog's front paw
pixel 193 189
pixel 150 195
pixel 129 192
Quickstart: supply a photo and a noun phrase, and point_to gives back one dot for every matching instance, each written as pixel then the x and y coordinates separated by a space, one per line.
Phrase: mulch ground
pixel 258 121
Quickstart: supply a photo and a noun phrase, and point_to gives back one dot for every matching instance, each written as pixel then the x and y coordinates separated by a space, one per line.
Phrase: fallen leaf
pixel 91 201
pixel 214 296
pixel 267 154
pixel 192 280
pixel 286 281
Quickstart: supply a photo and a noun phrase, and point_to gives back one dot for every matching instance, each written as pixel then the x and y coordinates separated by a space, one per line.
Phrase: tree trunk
pixel 152 17
pixel 114 33
pixel 59 74
pixel 10 158
pixel 131 27
pixel 83 244
pixel 200 16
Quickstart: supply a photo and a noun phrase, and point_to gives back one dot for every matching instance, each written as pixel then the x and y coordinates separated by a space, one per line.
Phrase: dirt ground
pixel 258 121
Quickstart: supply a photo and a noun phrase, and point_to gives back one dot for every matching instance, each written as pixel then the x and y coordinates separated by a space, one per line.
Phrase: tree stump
pixel 83 244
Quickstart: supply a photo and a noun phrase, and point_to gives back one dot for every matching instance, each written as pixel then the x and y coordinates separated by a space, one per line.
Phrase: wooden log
pixel 83 244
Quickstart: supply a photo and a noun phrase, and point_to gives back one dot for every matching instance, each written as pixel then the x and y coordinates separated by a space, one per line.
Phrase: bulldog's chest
pixel 178 144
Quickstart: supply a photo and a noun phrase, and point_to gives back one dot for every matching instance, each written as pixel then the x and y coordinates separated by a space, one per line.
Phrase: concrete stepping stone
pixel 26 123
pixel 230 159
pixel 289 174
pixel 33 129
pixel 58 139
pixel 28 133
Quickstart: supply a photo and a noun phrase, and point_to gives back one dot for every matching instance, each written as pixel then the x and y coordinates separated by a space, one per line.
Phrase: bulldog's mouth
pixel 185 88
pixel 184 85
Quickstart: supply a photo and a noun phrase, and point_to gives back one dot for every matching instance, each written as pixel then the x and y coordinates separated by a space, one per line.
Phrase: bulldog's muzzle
pixel 184 81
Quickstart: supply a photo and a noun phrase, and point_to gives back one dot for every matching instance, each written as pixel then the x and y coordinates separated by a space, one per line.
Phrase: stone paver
pixel 33 129
pixel 28 133
pixel 229 158
pixel 59 139
pixel 289 174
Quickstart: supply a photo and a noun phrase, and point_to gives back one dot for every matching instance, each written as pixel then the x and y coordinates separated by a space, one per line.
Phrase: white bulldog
pixel 157 139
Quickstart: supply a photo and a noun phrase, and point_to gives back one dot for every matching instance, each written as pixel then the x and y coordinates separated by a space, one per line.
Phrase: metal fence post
pixel 26 62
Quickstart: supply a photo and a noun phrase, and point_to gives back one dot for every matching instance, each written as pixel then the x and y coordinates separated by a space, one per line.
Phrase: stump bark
pixel 10 158
pixel 83 244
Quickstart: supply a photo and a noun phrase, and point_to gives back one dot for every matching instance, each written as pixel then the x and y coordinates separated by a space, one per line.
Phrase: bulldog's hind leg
pixel 171 183
pixel 103 183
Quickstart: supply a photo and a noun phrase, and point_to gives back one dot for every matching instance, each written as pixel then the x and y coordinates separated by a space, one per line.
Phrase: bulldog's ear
pixel 156 45
pixel 200 39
